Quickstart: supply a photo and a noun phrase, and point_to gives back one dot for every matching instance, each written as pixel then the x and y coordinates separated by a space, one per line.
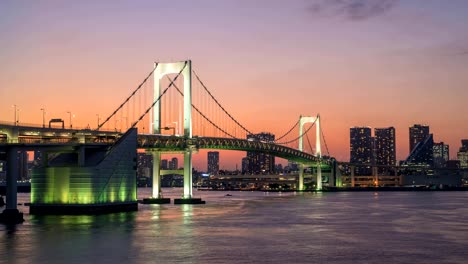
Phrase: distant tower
pixel 441 154
pixel 385 147
pixel 261 162
pixel 245 165
pixel 417 133
pixel 462 154
pixel 361 148
pixel 213 162
pixel 164 165
pixel 174 164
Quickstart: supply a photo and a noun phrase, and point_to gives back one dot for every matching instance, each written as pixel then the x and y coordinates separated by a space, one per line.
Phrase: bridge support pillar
pixel 301 177
pixel 11 215
pixel 187 175
pixel 157 197
pixel 319 177
pixel 187 197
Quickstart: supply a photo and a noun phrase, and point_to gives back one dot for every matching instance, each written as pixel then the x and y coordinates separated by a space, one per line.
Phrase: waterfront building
pixel 385 147
pixel 361 149
pixel 422 154
pixel 144 165
pixel 174 164
pixel 417 133
pixel 462 154
pixel 441 155
pixel 245 165
pixel 213 162
pixel 261 162
pixel 164 164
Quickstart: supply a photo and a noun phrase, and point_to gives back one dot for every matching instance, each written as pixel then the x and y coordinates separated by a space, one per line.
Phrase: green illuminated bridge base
pixel 101 181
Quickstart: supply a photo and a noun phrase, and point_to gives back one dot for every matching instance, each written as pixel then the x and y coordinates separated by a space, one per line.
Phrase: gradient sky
pixel 356 62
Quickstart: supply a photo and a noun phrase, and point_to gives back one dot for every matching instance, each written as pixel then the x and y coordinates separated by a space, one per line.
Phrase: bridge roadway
pixel 32 137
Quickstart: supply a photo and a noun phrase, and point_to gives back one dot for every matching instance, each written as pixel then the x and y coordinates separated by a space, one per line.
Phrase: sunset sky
pixel 374 63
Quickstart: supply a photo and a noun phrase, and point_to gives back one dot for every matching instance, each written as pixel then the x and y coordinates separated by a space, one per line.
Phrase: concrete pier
pixel 11 215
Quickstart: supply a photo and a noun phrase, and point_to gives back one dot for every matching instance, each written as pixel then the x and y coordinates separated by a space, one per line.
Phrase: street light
pixel 97 121
pixel 70 115
pixel 14 120
pixel 17 115
pixel 43 117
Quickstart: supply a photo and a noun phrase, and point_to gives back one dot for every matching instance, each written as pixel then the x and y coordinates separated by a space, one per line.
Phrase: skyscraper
pixel 441 154
pixel 174 164
pixel 417 133
pixel 462 154
pixel 261 162
pixel 164 165
pixel 213 162
pixel 361 148
pixel 423 153
pixel 245 165
pixel 385 147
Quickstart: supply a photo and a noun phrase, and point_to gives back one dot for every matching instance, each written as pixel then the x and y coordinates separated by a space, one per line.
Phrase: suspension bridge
pixel 170 119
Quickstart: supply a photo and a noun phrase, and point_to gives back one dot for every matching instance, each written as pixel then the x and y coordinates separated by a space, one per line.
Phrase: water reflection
pixel 255 227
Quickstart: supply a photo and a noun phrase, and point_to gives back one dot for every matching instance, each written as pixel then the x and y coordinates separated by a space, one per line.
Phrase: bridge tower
pixel 318 152
pixel 162 69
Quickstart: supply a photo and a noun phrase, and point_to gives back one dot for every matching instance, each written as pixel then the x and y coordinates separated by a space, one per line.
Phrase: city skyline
pixel 402 65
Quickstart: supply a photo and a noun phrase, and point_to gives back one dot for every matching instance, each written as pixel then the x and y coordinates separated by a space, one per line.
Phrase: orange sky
pixel 267 62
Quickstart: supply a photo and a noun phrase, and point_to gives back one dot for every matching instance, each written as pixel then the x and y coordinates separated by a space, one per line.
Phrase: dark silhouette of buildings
pixel 213 162
pixel 441 155
pixel 260 162
pixel 423 153
pixel 385 146
pixel 361 148
pixel 462 154
pixel 417 133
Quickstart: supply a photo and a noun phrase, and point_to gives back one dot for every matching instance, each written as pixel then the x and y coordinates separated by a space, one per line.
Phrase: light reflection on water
pixel 254 227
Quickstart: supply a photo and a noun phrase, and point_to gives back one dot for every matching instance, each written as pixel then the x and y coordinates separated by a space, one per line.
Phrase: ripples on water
pixel 254 227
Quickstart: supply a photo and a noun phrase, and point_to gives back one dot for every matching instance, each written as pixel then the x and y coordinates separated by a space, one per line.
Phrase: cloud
pixel 355 10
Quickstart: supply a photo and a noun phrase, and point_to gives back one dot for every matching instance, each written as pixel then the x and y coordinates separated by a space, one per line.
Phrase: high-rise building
pixel 462 154
pixel 213 162
pixel 361 148
pixel 423 153
pixel 144 165
pixel 417 133
pixel 245 165
pixel 261 162
pixel 164 165
pixel 441 154
pixel 174 164
pixel 385 147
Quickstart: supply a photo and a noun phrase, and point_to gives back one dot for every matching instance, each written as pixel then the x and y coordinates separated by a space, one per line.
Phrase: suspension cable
pixel 128 98
pixel 203 115
pixel 157 100
pixel 287 133
pixel 324 141
pixel 290 141
pixel 216 101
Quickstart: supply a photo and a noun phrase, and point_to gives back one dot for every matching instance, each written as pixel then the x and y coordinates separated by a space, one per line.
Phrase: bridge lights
pixel 70 115
pixel 16 115
pixel 43 116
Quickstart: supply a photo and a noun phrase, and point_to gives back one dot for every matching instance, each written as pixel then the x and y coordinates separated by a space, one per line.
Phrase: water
pixel 254 227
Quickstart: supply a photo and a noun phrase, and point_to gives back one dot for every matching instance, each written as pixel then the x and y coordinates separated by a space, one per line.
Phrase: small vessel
pixel 228 194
